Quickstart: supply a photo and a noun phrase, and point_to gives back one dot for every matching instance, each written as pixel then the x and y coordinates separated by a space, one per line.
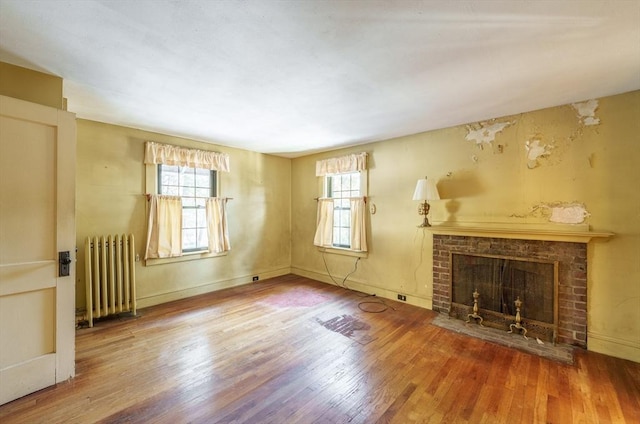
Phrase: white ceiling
pixel 295 77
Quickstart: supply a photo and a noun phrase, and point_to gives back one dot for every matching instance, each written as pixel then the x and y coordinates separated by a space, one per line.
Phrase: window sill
pixel 344 252
pixel 191 256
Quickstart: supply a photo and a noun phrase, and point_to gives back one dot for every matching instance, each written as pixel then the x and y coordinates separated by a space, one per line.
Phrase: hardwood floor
pixel 292 350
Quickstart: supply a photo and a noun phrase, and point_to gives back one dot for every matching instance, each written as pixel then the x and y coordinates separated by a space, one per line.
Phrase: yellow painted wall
pixel 110 200
pixel 593 165
pixel 32 86
pixel 272 216
pixel 597 166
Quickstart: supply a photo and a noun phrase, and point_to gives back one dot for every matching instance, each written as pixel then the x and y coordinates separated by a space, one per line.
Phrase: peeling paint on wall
pixel 559 212
pixel 587 112
pixel 535 149
pixel 568 214
pixel 483 132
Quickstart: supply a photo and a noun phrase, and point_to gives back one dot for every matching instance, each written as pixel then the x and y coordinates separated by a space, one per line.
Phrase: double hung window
pixel 194 186
pixel 341 215
pixel 342 188
pixel 187 218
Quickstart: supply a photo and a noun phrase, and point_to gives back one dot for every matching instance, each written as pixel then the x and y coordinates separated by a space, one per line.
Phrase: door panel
pixel 37 219
pixel 27 160
pixel 31 318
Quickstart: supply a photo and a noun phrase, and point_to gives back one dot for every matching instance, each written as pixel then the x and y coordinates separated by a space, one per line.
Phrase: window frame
pixel 152 186
pixel 212 193
pixel 324 190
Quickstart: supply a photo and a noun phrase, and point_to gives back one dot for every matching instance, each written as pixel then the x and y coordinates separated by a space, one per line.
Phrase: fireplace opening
pixel 502 283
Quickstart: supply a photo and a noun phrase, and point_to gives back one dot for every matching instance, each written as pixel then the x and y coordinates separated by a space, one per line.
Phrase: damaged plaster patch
pixel 535 150
pixel 483 132
pixel 587 112
pixel 568 214
pixel 559 212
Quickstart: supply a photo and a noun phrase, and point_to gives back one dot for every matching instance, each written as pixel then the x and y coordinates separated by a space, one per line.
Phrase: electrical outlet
pixel 256 278
pixel 402 297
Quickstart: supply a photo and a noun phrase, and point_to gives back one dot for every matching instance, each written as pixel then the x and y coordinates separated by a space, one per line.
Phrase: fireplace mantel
pixel 519 232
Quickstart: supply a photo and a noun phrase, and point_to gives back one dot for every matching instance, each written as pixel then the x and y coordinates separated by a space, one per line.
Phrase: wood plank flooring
pixel 252 355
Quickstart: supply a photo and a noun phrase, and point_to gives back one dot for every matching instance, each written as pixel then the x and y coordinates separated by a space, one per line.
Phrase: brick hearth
pixel 572 275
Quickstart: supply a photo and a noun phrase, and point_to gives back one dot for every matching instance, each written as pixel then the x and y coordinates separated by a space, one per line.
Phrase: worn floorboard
pixel 293 350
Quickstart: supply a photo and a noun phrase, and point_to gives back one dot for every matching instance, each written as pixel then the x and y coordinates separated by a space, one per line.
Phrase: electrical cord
pixel 343 285
pixel 360 294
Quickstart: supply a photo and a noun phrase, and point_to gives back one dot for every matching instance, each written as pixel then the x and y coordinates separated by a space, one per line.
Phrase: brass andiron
pixel 475 315
pixel 518 324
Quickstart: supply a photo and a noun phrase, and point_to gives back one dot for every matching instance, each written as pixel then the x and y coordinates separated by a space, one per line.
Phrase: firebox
pixel 506 292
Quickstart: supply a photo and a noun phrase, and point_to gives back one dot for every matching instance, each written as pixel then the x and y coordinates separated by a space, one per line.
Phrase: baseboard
pixel 145 302
pixel 361 286
pixel 613 346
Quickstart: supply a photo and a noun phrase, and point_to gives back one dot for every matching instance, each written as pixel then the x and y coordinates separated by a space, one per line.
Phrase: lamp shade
pixel 426 190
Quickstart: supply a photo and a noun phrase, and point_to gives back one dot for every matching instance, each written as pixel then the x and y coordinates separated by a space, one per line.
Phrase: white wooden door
pixel 37 220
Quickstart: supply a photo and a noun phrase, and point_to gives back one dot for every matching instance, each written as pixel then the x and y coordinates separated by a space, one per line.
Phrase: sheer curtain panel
pixel 218 230
pixel 358 233
pixel 164 234
pixel 324 229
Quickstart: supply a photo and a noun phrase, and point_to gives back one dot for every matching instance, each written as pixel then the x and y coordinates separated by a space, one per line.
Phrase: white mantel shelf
pixel 522 233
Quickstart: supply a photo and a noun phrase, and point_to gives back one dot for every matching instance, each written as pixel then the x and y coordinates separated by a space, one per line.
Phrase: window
pixel 194 185
pixel 341 188
pixel 341 214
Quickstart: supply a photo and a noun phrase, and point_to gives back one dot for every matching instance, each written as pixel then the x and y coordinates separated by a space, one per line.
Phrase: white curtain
pixel 217 225
pixel 167 154
pixel 164 235
pixel 358 234
pixel 324 229
pixel 349 163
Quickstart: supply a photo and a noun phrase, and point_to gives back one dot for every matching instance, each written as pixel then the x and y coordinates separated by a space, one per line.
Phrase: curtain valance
pixel 167 154
pixel 349 163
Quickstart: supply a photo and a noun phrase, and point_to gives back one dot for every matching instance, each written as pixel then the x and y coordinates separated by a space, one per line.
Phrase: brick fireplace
pixel 570 256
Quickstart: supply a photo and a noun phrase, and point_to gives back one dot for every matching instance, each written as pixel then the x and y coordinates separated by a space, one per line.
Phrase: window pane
pixel 188 178
pixel 203 178
pixel 203 192
pixel 336 185
pixel 171 190
pixel 188 218
pixel 188 191
pixel 201 217
pixel 346 181
pixel 188 239
pixel 344 237
pixel 336 217
pixel 188 202
pixel 200 202
pixel 169 178
pixel 345 219
pixel 203 238
pixel 355 182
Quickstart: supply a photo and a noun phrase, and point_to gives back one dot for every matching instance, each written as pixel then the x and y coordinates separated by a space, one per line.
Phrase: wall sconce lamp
pixel 425 190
